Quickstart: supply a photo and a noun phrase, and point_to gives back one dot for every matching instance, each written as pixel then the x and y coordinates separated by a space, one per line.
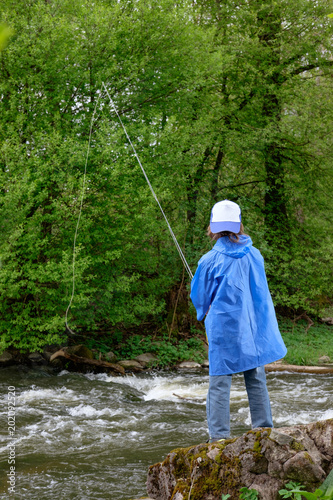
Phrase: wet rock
pixel 261 459
pixel 6 359
pixel 80 350
pixel 110 357
pixel 205 364
pixel 147 359
pixel 36 358
pixel 58 363
pixel 130 364
pixel 188 365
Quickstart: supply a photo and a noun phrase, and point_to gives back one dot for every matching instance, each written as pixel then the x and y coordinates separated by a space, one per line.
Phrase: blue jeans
pixel 218 402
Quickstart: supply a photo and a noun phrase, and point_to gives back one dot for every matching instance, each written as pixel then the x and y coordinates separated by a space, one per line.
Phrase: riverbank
pixel 308 346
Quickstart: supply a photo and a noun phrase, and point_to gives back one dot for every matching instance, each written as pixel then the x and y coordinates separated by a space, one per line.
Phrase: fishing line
pixel 182 256
pixel 79 217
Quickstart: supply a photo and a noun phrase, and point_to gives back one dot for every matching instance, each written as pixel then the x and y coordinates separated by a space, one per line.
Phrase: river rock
pixel 188 365
pixel 6 358
pixel 261 459
pixel 36 357
pixel 110 357
pixel 146 359
pixel 324 359
pixel 328 321
pixel 80 350
pixel 130 364
pixel 205 364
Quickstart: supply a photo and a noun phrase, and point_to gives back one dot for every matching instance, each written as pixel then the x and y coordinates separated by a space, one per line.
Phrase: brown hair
pixel 232 236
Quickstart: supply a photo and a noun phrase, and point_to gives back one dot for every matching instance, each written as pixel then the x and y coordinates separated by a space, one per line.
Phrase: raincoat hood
pixel 232 249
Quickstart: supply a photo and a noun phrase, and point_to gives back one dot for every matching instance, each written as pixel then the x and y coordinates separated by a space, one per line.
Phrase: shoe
pixel 216 440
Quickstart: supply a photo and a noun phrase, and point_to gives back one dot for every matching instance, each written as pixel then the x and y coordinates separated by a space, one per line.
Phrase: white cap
pixel 225 216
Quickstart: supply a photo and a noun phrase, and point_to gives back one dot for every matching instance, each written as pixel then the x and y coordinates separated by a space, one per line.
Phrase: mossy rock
pixel 261 459
pixel 81 350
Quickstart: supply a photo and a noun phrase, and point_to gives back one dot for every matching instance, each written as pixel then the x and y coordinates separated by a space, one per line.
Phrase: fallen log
pixel 79 359
pixel 280 367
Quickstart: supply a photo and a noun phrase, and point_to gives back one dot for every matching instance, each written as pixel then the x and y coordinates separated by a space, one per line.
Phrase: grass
pixel 306 347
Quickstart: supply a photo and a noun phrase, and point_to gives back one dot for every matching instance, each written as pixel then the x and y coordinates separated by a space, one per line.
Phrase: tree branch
pixel 302 69
pixel 242 184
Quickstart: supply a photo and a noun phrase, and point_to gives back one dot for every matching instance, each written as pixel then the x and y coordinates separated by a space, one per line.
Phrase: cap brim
pixel 218 227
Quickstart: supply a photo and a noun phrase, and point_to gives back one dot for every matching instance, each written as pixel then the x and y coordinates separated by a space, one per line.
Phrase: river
pixel 88 436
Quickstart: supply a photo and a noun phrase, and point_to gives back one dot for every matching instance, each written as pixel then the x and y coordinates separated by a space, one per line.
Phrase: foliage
pixel 247 494
pixel 5 33
pixel 327 486
pixel 168 353
pixel 221 99
pixel 296 492
pixel 304 346
pixel 293 491
pixel 125 264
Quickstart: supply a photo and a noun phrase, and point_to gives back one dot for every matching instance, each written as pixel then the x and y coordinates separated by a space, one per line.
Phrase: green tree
pixel 267 141
pixel 222 100
pixel 51 76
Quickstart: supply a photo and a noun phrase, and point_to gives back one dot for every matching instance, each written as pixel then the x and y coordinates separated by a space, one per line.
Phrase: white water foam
pixel 176 391
pixel 160 387
pixel 61 395
pixel 89 411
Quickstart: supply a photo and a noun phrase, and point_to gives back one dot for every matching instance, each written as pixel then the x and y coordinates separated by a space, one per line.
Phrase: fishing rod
pixel 182 256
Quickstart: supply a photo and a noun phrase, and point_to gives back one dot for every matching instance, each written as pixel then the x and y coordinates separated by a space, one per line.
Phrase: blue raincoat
pixel 230 285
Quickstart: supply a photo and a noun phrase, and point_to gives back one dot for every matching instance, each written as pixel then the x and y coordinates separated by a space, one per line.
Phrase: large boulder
pixel 261 459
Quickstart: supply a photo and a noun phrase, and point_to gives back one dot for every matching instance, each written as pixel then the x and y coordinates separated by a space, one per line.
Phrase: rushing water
pixel 93 436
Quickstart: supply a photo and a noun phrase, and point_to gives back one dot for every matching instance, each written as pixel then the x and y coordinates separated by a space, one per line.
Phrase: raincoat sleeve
pixel 203 286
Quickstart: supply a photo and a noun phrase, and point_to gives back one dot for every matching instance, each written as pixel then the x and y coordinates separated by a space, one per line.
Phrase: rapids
pixel 88 436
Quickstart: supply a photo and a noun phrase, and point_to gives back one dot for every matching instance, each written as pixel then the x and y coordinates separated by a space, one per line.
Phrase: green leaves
pixel 246 494
pixel 218 106
pixel 296 492
pixel 5 33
